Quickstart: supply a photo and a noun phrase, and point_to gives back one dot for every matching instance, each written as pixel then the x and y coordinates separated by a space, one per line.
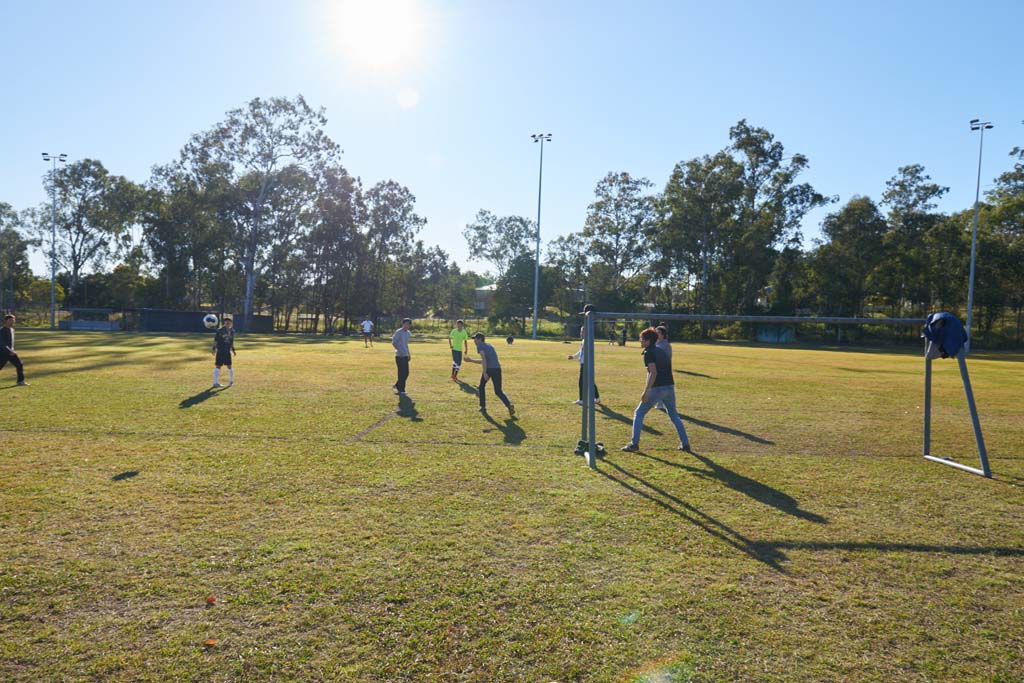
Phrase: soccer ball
pixel 210 320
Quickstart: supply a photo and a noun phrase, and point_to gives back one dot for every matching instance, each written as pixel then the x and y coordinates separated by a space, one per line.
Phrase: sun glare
pixel 377 34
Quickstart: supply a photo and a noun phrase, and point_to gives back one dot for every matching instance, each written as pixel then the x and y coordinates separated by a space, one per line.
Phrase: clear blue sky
pixel 444 99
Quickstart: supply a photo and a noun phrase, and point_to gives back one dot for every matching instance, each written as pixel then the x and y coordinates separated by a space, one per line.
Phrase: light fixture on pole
pixel 541 138
pixel 976 124
pixel 53 235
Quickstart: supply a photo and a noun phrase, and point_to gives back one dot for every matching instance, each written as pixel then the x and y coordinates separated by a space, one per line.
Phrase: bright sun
pixel 377 34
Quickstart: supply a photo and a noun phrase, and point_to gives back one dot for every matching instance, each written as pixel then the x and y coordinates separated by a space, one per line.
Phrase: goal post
pixel 592 450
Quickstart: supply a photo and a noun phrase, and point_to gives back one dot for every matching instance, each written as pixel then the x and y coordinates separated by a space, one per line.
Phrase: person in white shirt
pixel 367 326
pixel 400 340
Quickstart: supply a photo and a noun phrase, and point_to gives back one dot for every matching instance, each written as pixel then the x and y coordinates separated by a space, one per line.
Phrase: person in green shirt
pixel 458 341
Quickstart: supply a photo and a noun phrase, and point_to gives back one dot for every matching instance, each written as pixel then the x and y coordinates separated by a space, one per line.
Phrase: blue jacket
pixel 945 330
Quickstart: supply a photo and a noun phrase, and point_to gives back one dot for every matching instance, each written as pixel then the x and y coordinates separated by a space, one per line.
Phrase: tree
pixel 93 211
pixel 513 297
pixel 392 224
pixel 845 263
pixel 500 240
pixel 15 274
pixel 1007 224
pixel 257 147
pixel 618 225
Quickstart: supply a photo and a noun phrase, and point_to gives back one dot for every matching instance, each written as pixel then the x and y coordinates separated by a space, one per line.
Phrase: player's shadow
pixel 762 493
pixel 513 433
pixel 726 430
pixel 127 474
pixel 695 374
pixel 199 398
pixel 407 409
pixel 467 387
pixel 768 553
pixel 608 412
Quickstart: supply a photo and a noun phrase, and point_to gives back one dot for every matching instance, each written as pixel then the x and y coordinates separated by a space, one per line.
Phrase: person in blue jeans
pixel 660 387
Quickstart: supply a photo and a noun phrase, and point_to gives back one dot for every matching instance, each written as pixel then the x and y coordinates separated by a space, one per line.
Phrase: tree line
pixel 257 213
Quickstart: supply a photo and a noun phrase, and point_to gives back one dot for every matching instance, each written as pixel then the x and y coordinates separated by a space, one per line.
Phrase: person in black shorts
pixel 224 347
pixel 7 354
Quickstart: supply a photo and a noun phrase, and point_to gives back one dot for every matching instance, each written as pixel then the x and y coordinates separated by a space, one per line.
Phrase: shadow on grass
pixel 999 551
pixel 514 434
pixel 467 387
pixel 726 430
pixel 768 553
pixel 695 374
pixel 127 474
pixel 407 409
pixel 200 397
pixel 762 493
pixel 609 413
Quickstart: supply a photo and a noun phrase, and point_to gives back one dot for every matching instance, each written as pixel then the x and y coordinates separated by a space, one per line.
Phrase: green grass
pixel 350 538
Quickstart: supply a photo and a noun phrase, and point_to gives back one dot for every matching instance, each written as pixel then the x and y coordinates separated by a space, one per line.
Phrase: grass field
pixel 347 536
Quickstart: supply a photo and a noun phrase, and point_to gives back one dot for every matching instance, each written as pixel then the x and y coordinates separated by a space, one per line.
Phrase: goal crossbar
pixel 588 430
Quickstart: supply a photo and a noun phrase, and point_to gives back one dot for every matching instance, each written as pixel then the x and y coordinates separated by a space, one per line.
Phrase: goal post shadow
pixel 589 447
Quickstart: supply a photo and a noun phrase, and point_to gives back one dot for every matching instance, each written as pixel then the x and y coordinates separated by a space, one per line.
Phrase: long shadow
pixel 762 493
pixel 767 553
pixel 695 374
pixel 198 398
pixel 407 408
pixel 467 387
pixel 626 419
pixel 127 474
pixel 726 430
pixel 514 434
pixel 999 551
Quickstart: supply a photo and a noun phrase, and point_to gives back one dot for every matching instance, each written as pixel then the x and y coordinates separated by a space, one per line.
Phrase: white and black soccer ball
pixel 210 320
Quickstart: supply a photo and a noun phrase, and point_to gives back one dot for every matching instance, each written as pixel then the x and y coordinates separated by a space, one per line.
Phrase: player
pixel 458 342
pixel 7 353
pixel 367 326
pixel 491 371
pixel 400 340
pixel 579 354
pixel 665 346
pixel 660 386
pixel 224 348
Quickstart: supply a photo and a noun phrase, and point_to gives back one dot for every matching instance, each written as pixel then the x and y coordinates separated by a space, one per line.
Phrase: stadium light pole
pixel 541 138
pixel 979 125
pixel 62 158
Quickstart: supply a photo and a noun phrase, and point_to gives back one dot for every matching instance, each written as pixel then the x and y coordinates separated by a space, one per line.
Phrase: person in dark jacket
pixel 224 347
pixel 7 353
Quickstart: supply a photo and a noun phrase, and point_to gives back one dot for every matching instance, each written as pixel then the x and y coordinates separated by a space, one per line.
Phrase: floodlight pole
pixel 976 124
pixel 62 158
pixel 538 137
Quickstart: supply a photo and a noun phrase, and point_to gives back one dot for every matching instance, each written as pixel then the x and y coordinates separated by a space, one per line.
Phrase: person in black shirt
pixel 224 347
pixel 660 387
pixel 7 353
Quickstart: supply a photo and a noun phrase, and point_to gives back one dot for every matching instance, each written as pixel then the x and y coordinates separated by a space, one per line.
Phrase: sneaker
pixel 483 409
pixel 597 401
pixel 630 448
pixel 685 447
pixel 511 410
pixel 22 383
pixel 217 385
pixel 578 402
pixel 231 383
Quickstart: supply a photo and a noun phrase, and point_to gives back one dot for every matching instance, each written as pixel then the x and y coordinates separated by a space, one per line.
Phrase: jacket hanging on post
pixel 945 334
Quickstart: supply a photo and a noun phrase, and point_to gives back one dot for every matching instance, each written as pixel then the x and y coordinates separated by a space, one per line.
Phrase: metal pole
pixel 53 247
pixel 588 406
pixel 536 263
pixel 927 405
pixel 982 453
pixel 974 243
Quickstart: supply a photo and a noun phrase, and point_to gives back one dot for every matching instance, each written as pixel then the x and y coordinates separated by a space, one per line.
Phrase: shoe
pixel 231 384
pixel 511 410
pixel 685 447
pixel 483 409
pixel 217 385
pixel 22 383
pixel 597 401
pixel 578 402
pixel 630 448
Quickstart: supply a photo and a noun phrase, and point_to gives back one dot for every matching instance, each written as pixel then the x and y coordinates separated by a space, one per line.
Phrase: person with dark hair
pixel 660 387
pixel 7 353
pixel 223 348
pixel 491 371
pixel 400 340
